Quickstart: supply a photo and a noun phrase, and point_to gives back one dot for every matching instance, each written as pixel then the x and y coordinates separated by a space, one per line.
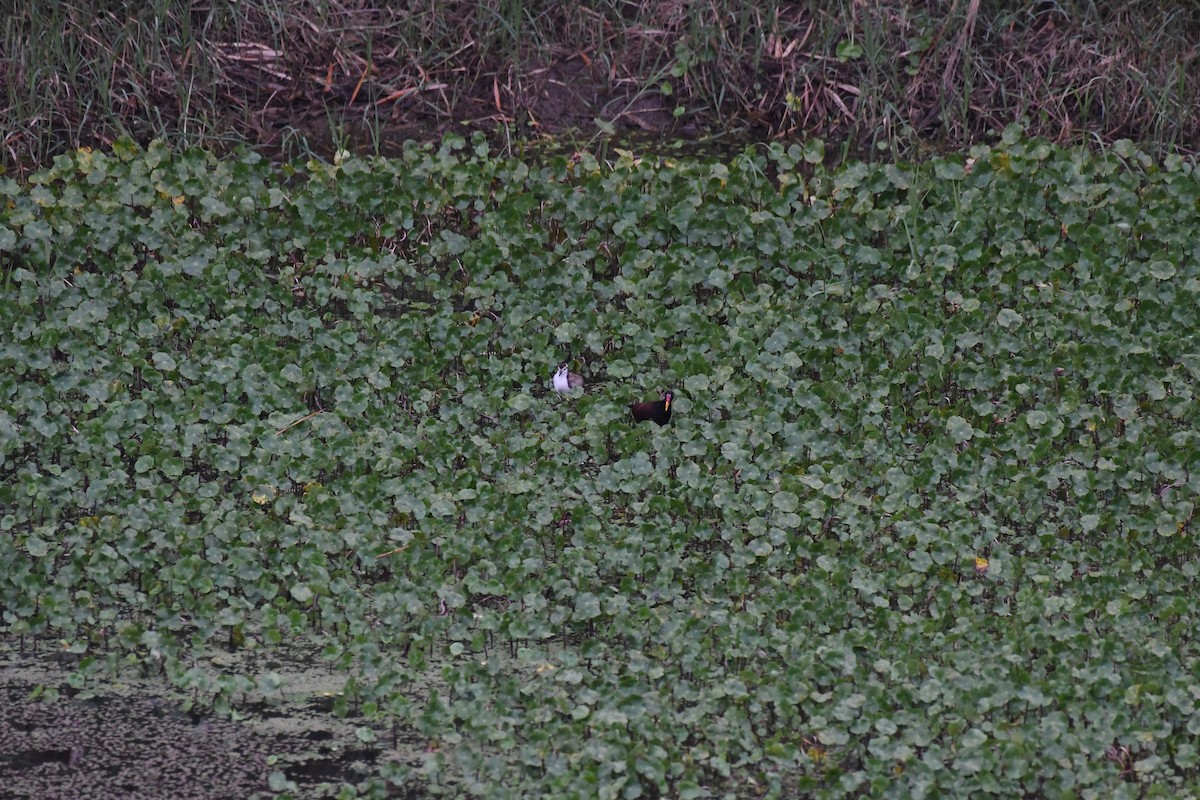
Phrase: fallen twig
pixel 288 427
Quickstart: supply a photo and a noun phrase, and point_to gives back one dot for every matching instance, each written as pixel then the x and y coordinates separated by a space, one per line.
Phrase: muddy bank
pixel 130 738
pixel 874 78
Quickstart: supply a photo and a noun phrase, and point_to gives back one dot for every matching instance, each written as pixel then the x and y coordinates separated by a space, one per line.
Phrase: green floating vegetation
pixel 923 522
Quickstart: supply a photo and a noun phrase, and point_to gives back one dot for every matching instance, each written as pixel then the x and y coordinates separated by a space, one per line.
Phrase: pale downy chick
pixel 565 381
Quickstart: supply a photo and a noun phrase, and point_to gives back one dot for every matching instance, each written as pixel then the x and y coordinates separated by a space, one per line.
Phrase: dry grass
pixel 874 75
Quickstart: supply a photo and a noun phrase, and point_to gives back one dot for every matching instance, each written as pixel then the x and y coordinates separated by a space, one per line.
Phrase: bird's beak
pixel 667 403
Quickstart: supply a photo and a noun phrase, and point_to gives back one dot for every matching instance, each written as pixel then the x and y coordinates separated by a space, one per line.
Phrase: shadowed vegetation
pixel 291 76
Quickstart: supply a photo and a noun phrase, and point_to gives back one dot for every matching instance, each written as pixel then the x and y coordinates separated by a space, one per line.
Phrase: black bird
pixel 659 411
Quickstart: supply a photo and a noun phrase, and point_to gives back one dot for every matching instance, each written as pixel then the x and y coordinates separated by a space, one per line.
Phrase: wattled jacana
pixel 659 411
pixel 566 381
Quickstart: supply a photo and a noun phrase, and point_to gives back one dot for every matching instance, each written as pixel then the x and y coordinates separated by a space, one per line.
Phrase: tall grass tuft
pixel 301 76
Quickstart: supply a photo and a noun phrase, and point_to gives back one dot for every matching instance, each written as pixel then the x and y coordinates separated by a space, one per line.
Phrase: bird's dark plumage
pixel 658 411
